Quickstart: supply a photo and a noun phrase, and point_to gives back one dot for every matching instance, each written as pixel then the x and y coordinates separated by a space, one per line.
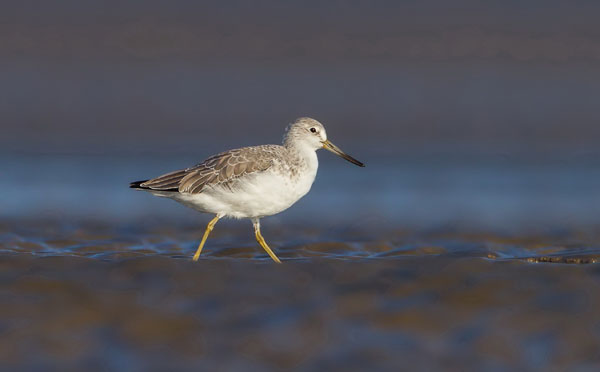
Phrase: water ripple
pixel 118 243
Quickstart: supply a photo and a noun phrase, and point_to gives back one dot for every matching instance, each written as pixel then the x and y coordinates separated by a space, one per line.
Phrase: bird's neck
pixel 305 153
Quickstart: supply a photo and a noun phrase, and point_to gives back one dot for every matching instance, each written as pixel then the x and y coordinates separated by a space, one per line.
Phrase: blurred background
pixel 456 247
pixel 483 113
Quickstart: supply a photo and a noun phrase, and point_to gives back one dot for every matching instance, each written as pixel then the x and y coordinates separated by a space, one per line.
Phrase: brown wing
pixel 166 182
pixel 221 169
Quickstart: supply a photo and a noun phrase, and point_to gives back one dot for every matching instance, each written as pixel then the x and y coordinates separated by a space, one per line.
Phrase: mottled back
pixel 218 170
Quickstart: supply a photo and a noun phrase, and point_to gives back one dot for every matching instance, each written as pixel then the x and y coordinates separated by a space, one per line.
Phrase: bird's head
pixel 307 132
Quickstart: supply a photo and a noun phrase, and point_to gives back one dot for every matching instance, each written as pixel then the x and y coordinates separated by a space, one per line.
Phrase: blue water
pixel 415 192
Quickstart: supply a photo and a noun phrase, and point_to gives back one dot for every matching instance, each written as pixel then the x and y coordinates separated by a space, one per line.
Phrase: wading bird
pixel 250 182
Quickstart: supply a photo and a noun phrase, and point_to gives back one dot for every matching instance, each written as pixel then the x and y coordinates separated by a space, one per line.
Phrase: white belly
pixel 258 195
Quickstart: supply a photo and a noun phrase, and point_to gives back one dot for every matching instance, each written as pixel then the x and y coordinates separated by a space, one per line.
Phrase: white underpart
pixel 256 195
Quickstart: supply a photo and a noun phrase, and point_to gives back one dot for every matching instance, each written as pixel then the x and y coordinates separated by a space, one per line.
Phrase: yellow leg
pixel 209 228
pixel 262 242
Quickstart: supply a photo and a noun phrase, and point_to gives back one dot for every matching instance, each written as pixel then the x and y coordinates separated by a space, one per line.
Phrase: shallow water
pixel 493 191
pixel 99 295
pixel 439 264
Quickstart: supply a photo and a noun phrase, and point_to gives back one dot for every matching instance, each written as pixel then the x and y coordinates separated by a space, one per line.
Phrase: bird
pixel 249 182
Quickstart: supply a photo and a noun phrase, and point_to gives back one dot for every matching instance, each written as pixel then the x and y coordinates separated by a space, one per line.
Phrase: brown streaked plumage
pixel 218 170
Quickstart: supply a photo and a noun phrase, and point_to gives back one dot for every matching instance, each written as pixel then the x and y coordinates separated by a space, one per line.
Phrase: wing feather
pixel 165 182
pixel 219 170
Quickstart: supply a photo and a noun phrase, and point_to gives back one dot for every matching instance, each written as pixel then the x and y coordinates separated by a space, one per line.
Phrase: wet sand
pixel 99 297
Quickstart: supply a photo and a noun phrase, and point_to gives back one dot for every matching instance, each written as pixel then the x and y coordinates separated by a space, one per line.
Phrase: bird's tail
pixel 138 185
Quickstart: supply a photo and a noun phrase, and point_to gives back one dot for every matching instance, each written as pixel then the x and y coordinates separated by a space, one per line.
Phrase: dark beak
pixel 336 150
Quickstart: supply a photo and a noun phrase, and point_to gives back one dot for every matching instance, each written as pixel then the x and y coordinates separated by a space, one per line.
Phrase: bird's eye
pixel 313 130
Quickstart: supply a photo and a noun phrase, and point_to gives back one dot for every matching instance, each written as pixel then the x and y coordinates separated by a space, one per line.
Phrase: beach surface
pixel 98 296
